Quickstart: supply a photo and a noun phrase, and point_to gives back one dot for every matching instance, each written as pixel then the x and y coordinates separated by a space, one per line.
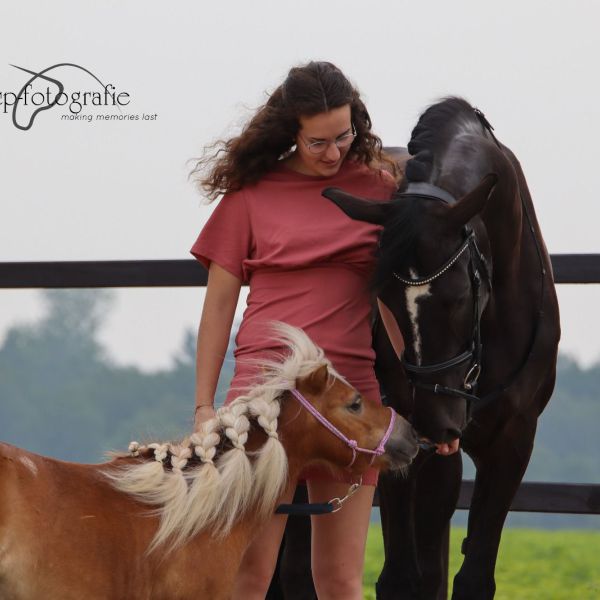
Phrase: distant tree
pixel 61 395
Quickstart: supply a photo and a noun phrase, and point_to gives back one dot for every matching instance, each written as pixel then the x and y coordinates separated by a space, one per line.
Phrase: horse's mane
pixel 436 127
pixel 211 482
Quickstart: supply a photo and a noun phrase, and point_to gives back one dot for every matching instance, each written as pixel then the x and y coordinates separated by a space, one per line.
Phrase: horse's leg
pixel 438 487
pixel 293 577
pixel 400 577
pixel 499 473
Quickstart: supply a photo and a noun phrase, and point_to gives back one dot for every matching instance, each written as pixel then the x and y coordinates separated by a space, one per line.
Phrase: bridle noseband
pixel 477 262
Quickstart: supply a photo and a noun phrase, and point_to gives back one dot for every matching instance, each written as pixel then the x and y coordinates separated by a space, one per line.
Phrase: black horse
pixel 464 273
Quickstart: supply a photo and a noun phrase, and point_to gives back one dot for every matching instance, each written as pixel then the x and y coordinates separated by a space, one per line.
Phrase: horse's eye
pixel 355 406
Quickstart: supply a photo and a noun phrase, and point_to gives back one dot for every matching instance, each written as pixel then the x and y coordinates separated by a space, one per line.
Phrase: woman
pixel 306 264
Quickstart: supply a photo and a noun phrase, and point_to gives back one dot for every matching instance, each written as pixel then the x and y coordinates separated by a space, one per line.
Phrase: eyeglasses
pixel 341 142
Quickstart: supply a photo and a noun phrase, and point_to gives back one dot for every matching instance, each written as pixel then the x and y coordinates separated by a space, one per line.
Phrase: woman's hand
pixel 203 413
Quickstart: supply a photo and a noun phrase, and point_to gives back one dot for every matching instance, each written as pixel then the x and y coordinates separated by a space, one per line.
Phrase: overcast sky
pixel 83 190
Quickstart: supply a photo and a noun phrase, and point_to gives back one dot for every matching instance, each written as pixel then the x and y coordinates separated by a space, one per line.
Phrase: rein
pixel 335 504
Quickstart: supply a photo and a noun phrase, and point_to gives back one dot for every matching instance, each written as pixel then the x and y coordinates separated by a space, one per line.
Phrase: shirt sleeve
pixel 226 238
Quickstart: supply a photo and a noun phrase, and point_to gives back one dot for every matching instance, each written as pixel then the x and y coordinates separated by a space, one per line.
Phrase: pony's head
pixel 329 421
pixel 211 481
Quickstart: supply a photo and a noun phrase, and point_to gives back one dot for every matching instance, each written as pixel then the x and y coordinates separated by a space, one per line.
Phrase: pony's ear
pixel 474 202
pixel 316 381
pixel 357 208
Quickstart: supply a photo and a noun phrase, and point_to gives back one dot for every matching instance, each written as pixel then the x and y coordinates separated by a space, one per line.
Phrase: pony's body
pixel 66 533
pixel 73 531
pixel 455 151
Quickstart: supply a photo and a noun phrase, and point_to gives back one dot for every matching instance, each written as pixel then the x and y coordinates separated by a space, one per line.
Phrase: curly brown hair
pixel 270 134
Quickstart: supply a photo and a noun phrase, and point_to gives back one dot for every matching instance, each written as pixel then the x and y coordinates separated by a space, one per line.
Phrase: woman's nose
pixel 332 153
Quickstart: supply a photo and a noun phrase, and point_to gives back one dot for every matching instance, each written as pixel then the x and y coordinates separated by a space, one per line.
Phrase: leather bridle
pixel 469 391
pixel 477 265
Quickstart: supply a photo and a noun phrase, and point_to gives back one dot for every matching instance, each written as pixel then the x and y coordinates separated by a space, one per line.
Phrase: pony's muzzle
pixel 402 446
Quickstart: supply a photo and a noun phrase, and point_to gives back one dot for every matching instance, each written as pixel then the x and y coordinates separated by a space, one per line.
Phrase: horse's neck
pixel 514 234
pixel 510 322
pixel 505 223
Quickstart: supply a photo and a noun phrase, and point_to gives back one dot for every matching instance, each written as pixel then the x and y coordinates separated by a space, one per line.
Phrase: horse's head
pixel 433 276
pixel 341 427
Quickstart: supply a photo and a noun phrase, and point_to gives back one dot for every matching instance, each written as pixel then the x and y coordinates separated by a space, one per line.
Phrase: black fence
pixel 568 268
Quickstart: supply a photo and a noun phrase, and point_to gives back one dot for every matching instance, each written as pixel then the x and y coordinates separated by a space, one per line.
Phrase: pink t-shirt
pixel 306 263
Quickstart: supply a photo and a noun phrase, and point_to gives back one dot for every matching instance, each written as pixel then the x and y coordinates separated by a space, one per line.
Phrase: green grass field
pixel 532 564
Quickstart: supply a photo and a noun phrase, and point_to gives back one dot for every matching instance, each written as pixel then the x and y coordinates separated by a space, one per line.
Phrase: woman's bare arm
pixel 222 293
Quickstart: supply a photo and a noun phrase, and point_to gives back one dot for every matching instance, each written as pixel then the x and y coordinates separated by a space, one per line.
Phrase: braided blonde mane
pixel 225 485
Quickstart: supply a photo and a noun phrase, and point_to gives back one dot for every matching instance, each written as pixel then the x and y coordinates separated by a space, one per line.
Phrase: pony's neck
pixel 290 422
pixel 292 434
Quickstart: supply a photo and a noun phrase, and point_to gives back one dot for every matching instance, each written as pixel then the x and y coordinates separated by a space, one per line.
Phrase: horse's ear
pixel 474 202
pixel 357 208
pixel 316 381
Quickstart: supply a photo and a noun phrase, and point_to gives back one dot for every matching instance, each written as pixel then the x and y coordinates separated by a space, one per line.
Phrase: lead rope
pixel 318 508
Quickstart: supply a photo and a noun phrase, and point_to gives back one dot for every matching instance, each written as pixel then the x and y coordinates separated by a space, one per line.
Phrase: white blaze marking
pixel 29 464
pixel 414 293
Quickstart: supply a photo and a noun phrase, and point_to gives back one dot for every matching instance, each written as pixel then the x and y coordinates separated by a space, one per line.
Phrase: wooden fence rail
pixel 538 497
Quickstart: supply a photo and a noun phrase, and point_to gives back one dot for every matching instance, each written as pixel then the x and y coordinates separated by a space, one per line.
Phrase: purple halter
pixel 352 444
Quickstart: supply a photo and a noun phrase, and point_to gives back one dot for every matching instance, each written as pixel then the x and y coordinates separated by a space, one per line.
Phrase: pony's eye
pixel 355 406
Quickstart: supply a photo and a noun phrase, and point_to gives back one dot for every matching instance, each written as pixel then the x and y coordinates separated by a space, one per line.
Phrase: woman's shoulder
pixel 230 203
pixel 372 176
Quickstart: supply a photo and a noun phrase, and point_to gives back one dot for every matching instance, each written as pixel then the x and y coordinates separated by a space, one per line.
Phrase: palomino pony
pixel 464 276
pixel 72 531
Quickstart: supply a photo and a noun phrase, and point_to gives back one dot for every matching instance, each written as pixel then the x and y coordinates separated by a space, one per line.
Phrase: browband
pixel 428 190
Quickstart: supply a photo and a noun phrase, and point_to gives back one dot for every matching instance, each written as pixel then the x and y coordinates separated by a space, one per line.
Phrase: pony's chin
pixel 400 470
pixel 398 461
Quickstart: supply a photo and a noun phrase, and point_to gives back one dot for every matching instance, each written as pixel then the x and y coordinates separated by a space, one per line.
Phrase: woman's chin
pixel 329 168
